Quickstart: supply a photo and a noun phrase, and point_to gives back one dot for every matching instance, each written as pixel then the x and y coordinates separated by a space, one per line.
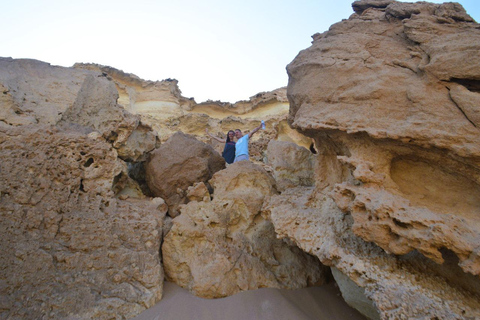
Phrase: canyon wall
pixel 79 237
pixel 100 203
pixel 396 206
pixel 161 105
pixel 89 188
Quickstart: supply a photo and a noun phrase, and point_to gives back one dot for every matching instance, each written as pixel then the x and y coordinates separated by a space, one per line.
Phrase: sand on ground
pixel 312 303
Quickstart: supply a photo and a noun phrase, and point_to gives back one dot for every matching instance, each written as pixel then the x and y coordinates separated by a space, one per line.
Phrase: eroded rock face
pixel 178 164
pixel 161 105
pixel 158 99
pixel 70 248
pixel 388 70
pixel 80 239
pixel 398 165
pixel 220 247
pixel 35 92
pixel 388 287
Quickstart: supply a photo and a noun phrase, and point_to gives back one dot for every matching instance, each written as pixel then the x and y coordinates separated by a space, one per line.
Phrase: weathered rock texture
pixel 391 97
pixel 220 247
pixel 292 164
pixel 161 105
pixel 161 99
pixel 177 165
pixel 81 231
pixel 70 247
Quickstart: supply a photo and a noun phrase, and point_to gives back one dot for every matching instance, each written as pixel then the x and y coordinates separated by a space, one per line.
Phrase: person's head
pixel 238 133
pixel 230 135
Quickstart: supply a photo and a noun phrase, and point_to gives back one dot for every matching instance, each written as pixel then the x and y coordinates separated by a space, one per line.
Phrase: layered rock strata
pixel 161 105
pixel 395 206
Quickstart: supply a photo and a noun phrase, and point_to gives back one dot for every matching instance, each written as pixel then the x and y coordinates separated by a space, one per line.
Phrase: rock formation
pixel 220 247
pixel 75 242
pixel 177 165
pixel 396 201
pixel 390 201
pixel 79 176
pixel 292 165
pixel 161 105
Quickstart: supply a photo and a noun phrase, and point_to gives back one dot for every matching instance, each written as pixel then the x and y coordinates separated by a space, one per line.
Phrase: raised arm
pixel 214 137
pixel 250 134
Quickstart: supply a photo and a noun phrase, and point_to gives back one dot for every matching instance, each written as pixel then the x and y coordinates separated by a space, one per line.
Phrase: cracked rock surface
pixel 79 239
pixel 220 247
pixel 391 97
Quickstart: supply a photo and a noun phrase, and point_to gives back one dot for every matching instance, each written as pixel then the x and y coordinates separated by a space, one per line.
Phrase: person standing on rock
pixel 229 150
pixel 241 148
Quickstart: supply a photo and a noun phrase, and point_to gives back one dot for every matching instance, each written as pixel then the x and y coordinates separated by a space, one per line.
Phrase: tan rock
pixel 380 79
pixel 161 106
pixel 260 106
pixel 218 248
pixel 160 99
pixel 178 164
pixel 292 165
pixel 38 93
pixel 95 108
pixel 69 247
pixel 354 295
pixel 198 192
pixel 420 204
pixel 397 287
pixel 243 180
pixel 467 101
pixel 10 113
pixel 360 6
pixel 398 166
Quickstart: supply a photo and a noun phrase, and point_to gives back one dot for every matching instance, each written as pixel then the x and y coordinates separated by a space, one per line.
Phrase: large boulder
pixel 177 164
pixel 69 247
pixel 392 76
pixel 220 247
pixel 391 98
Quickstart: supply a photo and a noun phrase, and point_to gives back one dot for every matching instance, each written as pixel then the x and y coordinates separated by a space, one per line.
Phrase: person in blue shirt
pixel 229 150
pixel 241 148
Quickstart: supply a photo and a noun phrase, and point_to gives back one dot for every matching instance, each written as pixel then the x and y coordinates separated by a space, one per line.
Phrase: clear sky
pixel 224 50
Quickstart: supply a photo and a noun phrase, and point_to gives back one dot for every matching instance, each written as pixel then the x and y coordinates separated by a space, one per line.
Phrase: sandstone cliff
pixel 85 186
pixel 389 199
pixel 79 238
pixel 161 105
pixel 395 209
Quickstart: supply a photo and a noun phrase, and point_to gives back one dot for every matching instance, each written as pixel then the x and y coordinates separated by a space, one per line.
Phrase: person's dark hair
pixel 228 137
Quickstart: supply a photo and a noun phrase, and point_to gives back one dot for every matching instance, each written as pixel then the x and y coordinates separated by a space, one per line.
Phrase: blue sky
pixel 224 50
